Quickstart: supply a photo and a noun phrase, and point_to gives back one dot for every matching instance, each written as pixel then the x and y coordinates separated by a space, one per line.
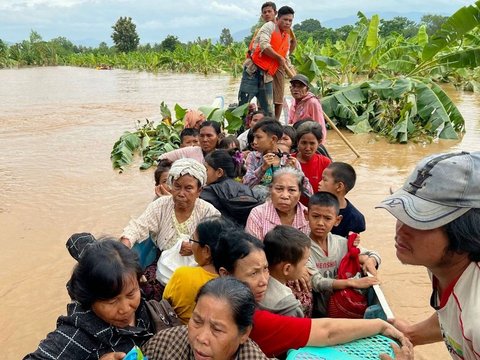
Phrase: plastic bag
pixel 348 303
pixel 135 354
pixel 171 260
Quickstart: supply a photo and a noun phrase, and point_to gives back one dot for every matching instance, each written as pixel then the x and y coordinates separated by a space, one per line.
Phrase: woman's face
pixel 208 139
pixel 120 310
pixel 298 90
pixel 307 146
pixel 253 270
pixel 185 191
pixel 212 331
pixel 285 193
pixel 212 174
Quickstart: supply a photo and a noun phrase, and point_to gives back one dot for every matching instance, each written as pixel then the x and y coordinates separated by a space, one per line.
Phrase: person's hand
pixel 113 356
pixel 269 159
pixel 402 325
pixel 369 265
pixel 401 353
pixel 305 282
pixel 392 332
pixel 126 242
pixel 364 282
pixel 162 190
pixel 291 161
pixel 186 249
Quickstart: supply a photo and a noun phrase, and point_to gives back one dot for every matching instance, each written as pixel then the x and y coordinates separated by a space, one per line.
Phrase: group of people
pixel 249 233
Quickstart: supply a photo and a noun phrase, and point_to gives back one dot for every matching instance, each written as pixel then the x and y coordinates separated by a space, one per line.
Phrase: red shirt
pixel 313 169
pixel 276 334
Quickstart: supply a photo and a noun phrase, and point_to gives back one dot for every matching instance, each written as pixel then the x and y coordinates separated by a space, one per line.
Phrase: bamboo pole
pixel 291 73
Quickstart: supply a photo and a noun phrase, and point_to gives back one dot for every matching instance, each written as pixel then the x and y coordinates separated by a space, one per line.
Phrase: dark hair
pixel 227 141
pixel 310 127
pixel 285 10
pixel 325 199
pixel 291 133
pixel 188 132
pixel 233 246
pixel 301 122
pixel 256 112
pixel 345 173
pixel 101 271
pixel 216 126
pixel 270 126
pixel 164 165
pixel 210 229
pixel 292 171
pixel 463 234
pixel 285 243
pixel 269 4
pixel 237 294
pixel 224 159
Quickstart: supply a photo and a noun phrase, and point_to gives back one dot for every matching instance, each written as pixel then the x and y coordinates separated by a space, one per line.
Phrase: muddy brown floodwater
pixel 57 128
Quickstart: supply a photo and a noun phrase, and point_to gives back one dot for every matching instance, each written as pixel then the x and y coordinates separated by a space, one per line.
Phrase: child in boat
pixel 189 137
pixel 161 176
pixel 309 136
pixel 262 163
pixel 289 138
pixel 339 178
pixel 107 314
pixel 287 250
pixel 327 250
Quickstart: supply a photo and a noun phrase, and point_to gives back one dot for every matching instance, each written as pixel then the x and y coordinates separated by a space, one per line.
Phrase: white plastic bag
pixel 171 259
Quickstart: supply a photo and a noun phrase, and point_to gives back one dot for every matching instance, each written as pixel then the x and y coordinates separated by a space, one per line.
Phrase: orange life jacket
pixel 280 42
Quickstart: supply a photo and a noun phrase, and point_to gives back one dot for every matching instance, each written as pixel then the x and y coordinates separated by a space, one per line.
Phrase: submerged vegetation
pixel 376 75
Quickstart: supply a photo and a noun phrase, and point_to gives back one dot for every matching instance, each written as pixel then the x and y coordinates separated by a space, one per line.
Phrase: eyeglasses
pixel 195 241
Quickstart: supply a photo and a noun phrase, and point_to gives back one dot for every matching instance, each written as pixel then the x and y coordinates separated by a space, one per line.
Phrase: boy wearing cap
pixel 305 103
pixel 438 226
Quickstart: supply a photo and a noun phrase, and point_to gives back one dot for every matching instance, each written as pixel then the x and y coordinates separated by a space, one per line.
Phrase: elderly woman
pixel 283 207
pixel 210 136
pixel 242 256
pixel 171 218
pixel 305 104
pixel 218 329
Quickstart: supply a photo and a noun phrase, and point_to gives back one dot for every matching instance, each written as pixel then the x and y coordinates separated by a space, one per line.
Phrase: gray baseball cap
pixel 442 188
pixel 300 78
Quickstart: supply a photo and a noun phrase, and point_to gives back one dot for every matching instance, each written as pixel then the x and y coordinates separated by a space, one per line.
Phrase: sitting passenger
pixel 185 282
pixel 161 176
pixel 218 329
pixel 108 314
pixel 222 190
pixel 189 137
pixel 328 250
pixel 287 250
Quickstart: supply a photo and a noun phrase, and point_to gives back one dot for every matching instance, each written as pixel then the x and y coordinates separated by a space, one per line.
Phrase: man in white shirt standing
pixel 438 226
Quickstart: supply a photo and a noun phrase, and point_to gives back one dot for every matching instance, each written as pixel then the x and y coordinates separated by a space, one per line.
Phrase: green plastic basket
pixel 362 349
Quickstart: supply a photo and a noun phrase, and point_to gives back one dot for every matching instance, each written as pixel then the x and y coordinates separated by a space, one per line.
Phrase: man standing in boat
pixel 269 51
pixel 438 226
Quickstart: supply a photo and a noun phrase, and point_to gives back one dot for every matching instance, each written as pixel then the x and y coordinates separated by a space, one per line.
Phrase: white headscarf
pixel 190 167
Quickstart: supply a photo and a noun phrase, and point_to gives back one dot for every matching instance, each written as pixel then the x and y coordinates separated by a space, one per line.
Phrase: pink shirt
pixel 264 218
pixel 308 107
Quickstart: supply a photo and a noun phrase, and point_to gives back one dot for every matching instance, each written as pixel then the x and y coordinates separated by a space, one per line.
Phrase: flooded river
pixel 57 128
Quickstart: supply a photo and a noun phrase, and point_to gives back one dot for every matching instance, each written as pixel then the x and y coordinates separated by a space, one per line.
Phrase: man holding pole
pixel 305 103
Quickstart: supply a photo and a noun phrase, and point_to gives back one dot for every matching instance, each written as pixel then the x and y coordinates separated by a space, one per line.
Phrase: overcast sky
pixel 91 20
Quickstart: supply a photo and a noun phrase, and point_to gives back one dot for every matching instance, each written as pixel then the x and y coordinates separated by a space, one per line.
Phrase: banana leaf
pixel 372 41
pixel 422 36
pixel 456 26
pixel 469 58
pixel 391 89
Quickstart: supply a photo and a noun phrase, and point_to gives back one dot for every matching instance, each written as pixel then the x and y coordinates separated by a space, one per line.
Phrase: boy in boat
pixel 328 250
pixel 338 179
pixel 438 226
pixel 189 137
pixel 268 53
pixel 287 250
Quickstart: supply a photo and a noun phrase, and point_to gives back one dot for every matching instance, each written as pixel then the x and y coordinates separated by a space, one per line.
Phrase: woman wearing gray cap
pixel 305 103
pixel 438 226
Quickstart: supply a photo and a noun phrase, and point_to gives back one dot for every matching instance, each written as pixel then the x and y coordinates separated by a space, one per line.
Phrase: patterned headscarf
pixel 190 167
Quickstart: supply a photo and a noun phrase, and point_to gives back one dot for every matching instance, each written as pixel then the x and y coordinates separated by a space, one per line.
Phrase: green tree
pixel 399 25
pixel 169 43
pixel 225 37
pixel 343 31
pixel 125 35
pixel 308 25
pixel 433 22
